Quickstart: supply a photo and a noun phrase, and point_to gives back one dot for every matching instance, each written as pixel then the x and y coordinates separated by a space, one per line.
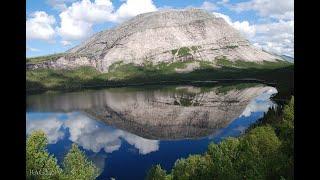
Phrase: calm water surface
pixel 125 131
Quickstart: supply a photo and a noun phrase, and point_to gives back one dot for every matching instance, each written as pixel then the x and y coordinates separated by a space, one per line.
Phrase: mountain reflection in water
pixel 143 120
pixel 179 113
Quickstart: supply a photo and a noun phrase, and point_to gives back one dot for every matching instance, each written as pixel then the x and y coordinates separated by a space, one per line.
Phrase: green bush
pixel 259 152
pixel 288 111
pixel 77 166
pixel 224 62
pixel 156 173
pixel 41 165
pixel 195 48
pixel 183 51
pixel 232 46
pixel 286 134
pixel 194 167
pixel 224 157
pixel 252 156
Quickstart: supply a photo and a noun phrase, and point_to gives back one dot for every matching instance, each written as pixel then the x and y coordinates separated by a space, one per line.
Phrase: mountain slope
pixel 161 37
pixel 288 58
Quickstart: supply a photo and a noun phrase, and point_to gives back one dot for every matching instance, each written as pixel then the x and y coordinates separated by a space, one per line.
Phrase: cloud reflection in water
pixel 86 132
pixel 260 104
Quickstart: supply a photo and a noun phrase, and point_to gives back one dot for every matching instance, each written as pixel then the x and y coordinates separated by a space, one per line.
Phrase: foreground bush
pixel 259 151
pixel 194 167
pixel 77 166
pixel 156 173
pixel 41 165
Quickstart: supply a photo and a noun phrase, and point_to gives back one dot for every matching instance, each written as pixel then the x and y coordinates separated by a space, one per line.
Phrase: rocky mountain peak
pixel 163 36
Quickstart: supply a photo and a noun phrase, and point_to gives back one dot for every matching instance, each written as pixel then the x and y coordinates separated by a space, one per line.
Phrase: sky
pixel 54 26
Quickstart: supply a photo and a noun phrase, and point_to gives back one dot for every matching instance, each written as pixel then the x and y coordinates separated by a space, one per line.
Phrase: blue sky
pixel 54 26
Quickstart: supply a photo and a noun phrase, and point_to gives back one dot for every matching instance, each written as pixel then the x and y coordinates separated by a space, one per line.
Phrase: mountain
pixel 164 36
pixel 287 58
pixel 281 56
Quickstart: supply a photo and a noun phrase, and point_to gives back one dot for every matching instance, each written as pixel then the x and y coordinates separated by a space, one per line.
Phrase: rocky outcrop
pixel 183 112
pixel 162 36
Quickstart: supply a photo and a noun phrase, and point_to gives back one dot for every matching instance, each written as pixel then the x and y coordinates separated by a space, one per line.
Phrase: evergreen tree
pixel 77 166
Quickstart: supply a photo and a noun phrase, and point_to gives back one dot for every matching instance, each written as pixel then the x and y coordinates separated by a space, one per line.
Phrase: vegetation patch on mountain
pixel 41 59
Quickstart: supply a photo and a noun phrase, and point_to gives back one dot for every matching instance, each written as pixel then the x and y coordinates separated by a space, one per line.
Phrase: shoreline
pixel 115 84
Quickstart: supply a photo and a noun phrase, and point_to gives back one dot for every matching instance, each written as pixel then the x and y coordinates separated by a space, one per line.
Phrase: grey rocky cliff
pixel 157 37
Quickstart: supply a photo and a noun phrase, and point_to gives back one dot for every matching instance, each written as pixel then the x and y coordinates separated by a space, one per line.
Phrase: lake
pixel 125 131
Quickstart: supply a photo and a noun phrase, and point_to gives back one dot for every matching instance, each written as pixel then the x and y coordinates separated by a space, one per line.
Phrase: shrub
pixel 39 163
pixel 194 167
pixel 77 166
pixel 156 173
pixel 259 153
pixel 183 51
pixel 224 157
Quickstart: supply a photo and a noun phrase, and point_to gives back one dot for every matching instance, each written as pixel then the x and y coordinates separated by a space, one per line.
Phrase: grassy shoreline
pixel 119 75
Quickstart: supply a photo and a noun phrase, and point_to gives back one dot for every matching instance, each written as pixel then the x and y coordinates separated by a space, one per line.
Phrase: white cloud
pixel 275 37
pixel 57 4
pixel 222 2
pixel 32 49
pixel 267 8
pixel 39 26
pixel 79 18
pixel 289 15
pixel 71 29
pixel 225 17
pixel 65 43
pixel 244 27
pixel 165 7
pixel 132 8
pixel 209 6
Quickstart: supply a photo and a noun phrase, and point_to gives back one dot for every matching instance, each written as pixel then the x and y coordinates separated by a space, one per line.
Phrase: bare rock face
pixel 163 36
pixel 182 112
